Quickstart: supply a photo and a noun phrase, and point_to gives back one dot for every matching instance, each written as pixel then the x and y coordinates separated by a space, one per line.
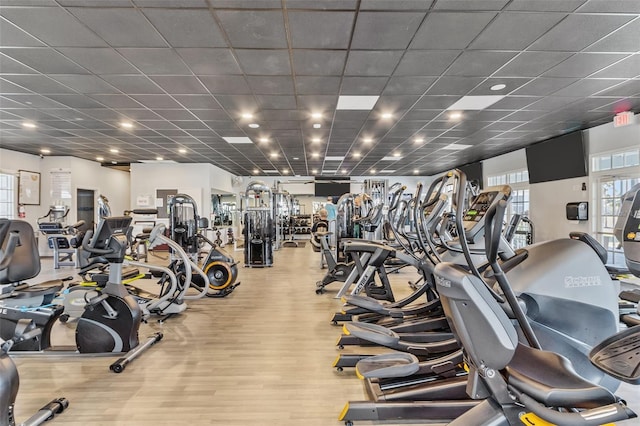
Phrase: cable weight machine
pixel 258 225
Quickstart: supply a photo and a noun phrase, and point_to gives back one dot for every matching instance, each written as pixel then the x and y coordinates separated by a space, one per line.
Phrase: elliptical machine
pixel 219 267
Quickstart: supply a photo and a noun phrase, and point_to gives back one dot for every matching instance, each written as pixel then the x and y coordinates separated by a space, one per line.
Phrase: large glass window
pixel 7 195
pixel 615 160
pixel 519 182
pixel 610 189
pixel 613 174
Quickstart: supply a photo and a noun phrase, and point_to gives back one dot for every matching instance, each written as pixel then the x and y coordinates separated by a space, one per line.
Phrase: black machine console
pixel 474 217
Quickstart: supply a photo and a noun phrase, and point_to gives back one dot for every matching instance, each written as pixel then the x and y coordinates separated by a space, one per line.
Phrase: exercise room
pixel 319 212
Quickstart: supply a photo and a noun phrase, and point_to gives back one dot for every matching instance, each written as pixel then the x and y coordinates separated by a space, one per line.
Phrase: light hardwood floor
pixel 260 357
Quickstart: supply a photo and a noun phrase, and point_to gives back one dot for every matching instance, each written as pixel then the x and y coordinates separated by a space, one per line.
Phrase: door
pixel 86 208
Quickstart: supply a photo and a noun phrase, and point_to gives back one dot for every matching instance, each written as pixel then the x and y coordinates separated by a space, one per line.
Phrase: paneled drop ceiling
pixel 448 82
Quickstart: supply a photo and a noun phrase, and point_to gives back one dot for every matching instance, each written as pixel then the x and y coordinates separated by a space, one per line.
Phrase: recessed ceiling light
pixel 256 171
pixel 159 158
pixel 455 115
pixel 498 87
pixel 79 119
pixel 182 150
pixel 247 115
pixel 357 102
pixel 264 140
pixel 315 140
pixel 296 158
pixel 29 125
pixel 344 171
pixel 367 140
pixel 397 154
pixel 314 171
pixel 254 125
pixel 456 147
pixel 316 115
pixel 416 171
pixel 418 140
pixel 372 171
pixel 114 151
pixel 317 125
pixel 386 115
pixel 356 155
pixel 99 158
pixel 126 124
pixel 315 155
pixel 45 151
pixel 474 102
pixel 285 171
pixel 237 139
pixel 274 154
pixel 114 162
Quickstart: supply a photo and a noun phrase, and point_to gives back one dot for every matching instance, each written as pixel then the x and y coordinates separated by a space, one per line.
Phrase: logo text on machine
pixel 582 281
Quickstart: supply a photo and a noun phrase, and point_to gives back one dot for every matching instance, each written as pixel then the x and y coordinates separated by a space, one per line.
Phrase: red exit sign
pixel 623 119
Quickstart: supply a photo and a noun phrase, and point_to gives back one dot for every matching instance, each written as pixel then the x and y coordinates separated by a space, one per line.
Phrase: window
pixel 7 195
pixel 607 193
pixel 519 182
pixel 616 160
pixel 610 190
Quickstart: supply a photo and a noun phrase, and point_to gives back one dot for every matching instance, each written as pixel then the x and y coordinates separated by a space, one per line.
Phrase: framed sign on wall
pixel 28 188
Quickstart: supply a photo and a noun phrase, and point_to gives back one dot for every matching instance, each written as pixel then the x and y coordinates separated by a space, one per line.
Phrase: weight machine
pixel 258 225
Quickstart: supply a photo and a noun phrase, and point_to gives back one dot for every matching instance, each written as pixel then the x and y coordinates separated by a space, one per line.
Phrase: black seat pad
pixel 551 380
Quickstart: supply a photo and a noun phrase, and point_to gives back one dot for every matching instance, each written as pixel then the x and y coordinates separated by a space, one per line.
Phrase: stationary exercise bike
pixel 9 381
pixel 111 319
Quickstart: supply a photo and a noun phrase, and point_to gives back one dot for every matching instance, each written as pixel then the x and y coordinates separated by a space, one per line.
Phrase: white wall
pixel 114 184
pixel 197 180
pixel 502 164
pixel 548 207
pixel 11 162
pixel 606 138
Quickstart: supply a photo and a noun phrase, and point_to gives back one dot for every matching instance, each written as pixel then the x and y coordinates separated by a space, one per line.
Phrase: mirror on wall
pixel 223 209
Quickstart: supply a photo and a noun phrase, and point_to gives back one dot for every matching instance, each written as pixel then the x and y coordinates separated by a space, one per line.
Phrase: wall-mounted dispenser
pixel 578 210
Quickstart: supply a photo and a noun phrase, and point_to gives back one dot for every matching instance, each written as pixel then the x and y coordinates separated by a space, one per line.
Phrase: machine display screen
pixel 480 206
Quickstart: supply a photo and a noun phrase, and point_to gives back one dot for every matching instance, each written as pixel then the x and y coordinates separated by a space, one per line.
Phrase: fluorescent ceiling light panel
pixel 456 147
pixel 157 161
pixel 237 139
pixel 387 171
pixel 271 171
pixel 390 158
pixel 329 171
pixel 329 158
pixel 357 102
pixel 475 102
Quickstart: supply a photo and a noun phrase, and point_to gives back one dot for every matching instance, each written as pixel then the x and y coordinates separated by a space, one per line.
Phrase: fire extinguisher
pixel 22 212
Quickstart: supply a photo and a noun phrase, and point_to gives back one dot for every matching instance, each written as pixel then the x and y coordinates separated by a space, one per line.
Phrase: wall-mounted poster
pixel 28 188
